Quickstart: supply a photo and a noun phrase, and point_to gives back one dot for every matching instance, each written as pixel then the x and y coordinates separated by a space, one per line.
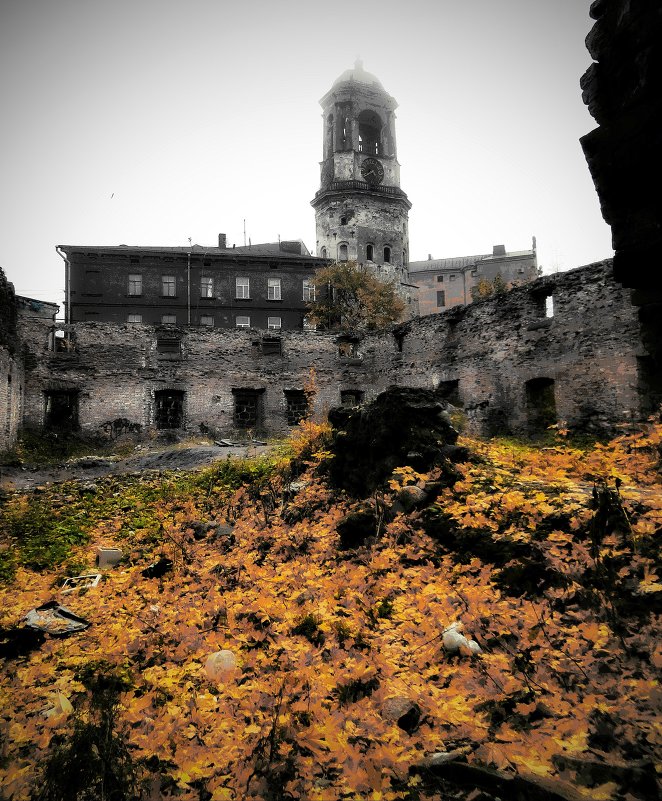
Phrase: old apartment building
pixel 214 339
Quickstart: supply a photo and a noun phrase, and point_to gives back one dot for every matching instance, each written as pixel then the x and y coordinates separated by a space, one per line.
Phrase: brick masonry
pixel 481 356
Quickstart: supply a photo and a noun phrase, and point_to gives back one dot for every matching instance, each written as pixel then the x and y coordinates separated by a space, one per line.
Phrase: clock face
pixel 372 171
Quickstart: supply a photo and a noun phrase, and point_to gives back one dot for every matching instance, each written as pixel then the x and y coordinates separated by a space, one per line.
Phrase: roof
pixel 358 75
pixel 453 263
pixel 291 249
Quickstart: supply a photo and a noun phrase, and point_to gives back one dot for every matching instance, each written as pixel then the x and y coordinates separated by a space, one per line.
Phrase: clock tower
pixel 361 213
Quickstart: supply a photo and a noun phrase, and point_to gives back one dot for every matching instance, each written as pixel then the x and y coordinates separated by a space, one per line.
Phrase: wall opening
pixel 169 408
pixel 248 408
pixel 370 133
pixel 540 404
pixel 450 391
pixel 549 306
pixel 168 347
pixel 62 410
pixel 351 397
pixel 387 255
pixel 342 252
pixel 297 406
pixel 370 252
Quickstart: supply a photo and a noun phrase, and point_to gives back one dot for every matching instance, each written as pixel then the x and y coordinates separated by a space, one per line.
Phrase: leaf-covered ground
pixel 547 558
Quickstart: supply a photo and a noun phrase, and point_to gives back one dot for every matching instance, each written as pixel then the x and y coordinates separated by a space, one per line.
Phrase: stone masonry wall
pixel 479 356
pixel 11 368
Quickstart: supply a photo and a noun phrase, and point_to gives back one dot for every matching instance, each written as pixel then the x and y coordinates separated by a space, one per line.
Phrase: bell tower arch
pixel 361 213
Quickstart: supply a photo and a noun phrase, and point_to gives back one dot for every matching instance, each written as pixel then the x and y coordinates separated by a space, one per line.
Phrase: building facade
pixel 445 283
pixel 361 213
pixel 258 286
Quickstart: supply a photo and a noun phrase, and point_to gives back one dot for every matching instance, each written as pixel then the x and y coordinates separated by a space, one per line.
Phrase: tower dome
pixel 358 75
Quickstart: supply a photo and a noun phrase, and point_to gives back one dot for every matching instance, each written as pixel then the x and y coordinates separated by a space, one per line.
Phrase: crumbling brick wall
pixel 497 358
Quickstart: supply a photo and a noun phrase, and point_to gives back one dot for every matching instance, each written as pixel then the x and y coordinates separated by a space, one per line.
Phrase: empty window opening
pixel 62 410
pixel 449 391
pixel 370 133
pixel 399 337
pixel 207 320
pixel 271 346
pixel 135 284
pixel 134 318
pixel 169 319
pixel 296 406
pixel 452 277
pixel 242 288
pixel 351 397
pixel 348 349
pixel 540 404
pixel 323 253
pixel 308 291
pixel 61 341
pixel 549 306
pixel 247 407
pixel 273 288
pixel 168 346
pixel 370 252
pixel 169 408
pixel 440 279
pixel 343 220
pixel 206 287
pixel 387 255
pixel 342 252
pixel 242 321
pixel 441 298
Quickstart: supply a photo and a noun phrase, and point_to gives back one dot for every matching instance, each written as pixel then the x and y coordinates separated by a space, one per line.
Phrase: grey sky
pixel 152 121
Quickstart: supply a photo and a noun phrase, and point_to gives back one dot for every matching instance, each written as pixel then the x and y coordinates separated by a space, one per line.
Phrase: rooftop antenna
pixel 244 232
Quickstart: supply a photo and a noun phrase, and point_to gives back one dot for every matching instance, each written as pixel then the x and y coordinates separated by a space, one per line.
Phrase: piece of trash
pixel 108 557
pixel 55 619
pixel 224 443
pixel 85 582
pixel 453 640
pixel 157 569
pixel 221 665
pixel 15 642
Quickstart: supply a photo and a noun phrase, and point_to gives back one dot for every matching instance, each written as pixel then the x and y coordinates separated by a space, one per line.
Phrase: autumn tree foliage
pixel 340 678
pixel 349 297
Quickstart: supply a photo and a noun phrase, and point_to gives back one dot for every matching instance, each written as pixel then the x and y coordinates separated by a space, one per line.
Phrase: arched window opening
pixel 329 135
pixel 387 255
pixel 342 252
pixel 370 133
pixel 404 257
pixel 370 252
pixel 323 253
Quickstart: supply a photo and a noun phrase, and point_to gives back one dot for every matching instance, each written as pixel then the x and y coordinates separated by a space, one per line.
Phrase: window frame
pixel 206 287
pixel 274 289
pixel 245 287
pixel 441 294
pixel 309 291
pixel 274 327
pixel 135 285
pixel 134 322
pixel 238 317
pixel 206 317
pixel 168 282
pixel 168 322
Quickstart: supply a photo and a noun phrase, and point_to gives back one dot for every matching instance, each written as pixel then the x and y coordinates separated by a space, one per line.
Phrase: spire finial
pixel 358 64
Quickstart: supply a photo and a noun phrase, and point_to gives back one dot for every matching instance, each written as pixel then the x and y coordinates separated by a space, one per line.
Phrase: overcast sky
pixel 147 122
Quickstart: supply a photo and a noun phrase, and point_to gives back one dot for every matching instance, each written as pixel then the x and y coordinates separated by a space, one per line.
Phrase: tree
pixel 350 298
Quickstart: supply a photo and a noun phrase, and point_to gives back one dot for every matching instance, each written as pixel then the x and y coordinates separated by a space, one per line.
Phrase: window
pixel 271 346
pixel 168 319
pixel 343 220
pixel 243 289
pixel 440 279
pixel 168 408
pixel 273 289
pixel 134 318
pixel 247 407
pixel 205 319
pixel 273 323
pixel 168 286
pixel 206 287
pixel 135 284
pixel 297 406
pixel 308 290
pixel 441 298
pixel 342 252
pixel 351 397
pixel 308 326
pixel 387 255
pixel 168 347
pixel 242 321
pixel 452 276
pixel 370 252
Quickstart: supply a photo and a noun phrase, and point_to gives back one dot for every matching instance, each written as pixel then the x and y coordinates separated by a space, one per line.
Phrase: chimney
pixel 429 256
pixel 499 250
pixel 222 241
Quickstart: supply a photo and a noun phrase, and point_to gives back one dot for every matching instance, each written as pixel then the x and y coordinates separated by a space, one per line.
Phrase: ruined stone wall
pixel 479 356
pixel 483 355
pixel 11 368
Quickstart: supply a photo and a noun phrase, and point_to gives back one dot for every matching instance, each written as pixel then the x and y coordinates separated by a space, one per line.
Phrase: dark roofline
pixel 269 251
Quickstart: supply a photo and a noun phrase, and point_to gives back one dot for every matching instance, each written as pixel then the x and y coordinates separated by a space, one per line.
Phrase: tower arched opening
pixel 370 133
